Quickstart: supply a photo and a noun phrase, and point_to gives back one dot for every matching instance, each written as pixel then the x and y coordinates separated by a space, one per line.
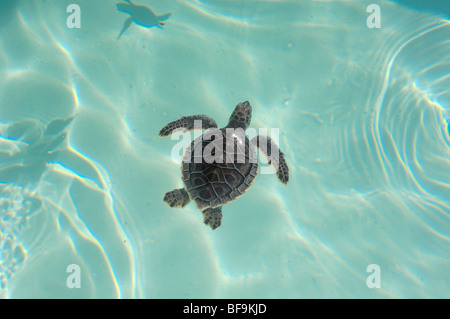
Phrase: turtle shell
pixel 218 168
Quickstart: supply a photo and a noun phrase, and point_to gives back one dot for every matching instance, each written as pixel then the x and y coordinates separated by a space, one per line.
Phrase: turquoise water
pixel 364 123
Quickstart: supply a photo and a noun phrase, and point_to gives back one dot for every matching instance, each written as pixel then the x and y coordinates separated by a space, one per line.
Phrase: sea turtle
pixel 141 15
pixel 220 165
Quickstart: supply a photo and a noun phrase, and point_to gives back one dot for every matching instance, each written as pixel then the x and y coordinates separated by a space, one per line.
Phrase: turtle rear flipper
pixel 274 155
pixel 213 217
pixel 177 198
pixel 188 123
pixel 57 125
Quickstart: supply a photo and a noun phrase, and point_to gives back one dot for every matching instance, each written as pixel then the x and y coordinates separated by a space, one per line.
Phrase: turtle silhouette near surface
pixel 33 147
pixel 219 166
pixel 141 15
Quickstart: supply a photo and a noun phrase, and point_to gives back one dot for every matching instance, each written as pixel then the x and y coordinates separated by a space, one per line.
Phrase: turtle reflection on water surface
pixel 141 15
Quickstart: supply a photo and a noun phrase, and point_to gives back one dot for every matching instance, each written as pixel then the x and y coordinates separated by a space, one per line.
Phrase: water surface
pixel 363 117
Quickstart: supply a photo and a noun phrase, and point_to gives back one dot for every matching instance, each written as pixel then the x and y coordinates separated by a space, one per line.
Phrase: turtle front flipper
pixel 164 16
pixel 177 198
pixel 274 155
pixel 212 217
pixel 126 7
pixel 126 25
pixel 188 123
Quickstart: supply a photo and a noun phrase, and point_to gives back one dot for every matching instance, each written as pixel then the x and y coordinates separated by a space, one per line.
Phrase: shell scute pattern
pixel 221 164
pixel 214 184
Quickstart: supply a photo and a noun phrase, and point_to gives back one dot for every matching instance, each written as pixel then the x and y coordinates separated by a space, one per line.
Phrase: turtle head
pixel 241 116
